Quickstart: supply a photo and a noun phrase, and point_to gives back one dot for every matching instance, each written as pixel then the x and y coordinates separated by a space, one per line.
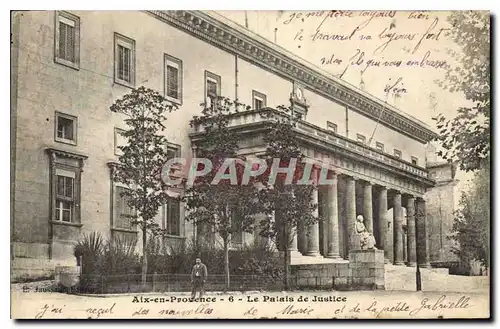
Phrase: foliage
pixel 99 256
pixel 90 248
pixel 471 226
pixel 257 259
pixel 287 205
pixel 228 206
pixel 253 259
pixel 466 137
pixel 120 257
pixel 142 157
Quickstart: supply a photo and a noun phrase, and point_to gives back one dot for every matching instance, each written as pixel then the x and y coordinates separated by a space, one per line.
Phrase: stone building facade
pixel 68 67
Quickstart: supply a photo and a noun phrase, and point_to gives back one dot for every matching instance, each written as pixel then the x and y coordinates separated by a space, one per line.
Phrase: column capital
pixel 380 187
pixel 395 192
pixel 349 177
pixel 419 199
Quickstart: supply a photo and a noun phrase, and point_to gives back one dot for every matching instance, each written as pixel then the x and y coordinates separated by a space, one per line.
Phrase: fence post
pixel 316 281
pixel 102 284
pixel 333 282
pixel 155 277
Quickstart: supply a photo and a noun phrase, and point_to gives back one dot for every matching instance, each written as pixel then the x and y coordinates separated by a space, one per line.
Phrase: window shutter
pixel 172 82
pixel 70 44
pixel 173 216
pixel 66 42
pixel 211 88
pixel 124 63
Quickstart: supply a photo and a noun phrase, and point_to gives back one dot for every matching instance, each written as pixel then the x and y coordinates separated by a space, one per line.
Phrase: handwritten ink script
pixel 293 305
pixel 369 40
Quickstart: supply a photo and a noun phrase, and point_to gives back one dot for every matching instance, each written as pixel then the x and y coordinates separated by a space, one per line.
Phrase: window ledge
pixel 176 101
pixel 126 230
pixel 65 141
pixel 75 66
pixel 58 222
pixel 124 83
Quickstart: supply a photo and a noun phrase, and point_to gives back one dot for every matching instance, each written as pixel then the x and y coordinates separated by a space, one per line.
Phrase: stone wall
pixel 364 271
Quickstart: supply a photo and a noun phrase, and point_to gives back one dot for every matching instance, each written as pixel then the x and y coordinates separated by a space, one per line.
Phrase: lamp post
pixel 418 278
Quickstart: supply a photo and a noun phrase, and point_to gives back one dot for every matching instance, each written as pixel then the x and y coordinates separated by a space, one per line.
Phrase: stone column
pixel 411 241
pixel 382 224
pixel 313 230
pixel 398 229
pixel 350 211
pixel 367 206
pixel 333 219
pixel 422 238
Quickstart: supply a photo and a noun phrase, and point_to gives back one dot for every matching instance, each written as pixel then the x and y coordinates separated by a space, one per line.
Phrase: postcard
pixel 325 164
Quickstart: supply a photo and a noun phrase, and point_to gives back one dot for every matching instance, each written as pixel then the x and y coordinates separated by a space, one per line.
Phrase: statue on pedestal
pixel 366 238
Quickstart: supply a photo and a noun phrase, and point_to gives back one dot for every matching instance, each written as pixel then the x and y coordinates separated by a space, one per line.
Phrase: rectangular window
pixel 124 212
pixel 360 138
pixel 67 39
pixel 65 182
pixel 120 140
pixel 173 79
pixel 397 153
pixel 172 217
pixel 173 151
pixel 259 100
pixel 212 88
pixel 379 146
pixel 65 128
pixel 124 60
pixel 330 126
pixel 414 160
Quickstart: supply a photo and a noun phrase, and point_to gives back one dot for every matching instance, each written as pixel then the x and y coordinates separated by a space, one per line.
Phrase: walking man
pixel 198 277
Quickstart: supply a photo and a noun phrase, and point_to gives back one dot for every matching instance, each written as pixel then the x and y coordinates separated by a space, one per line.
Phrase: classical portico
pixel 362 181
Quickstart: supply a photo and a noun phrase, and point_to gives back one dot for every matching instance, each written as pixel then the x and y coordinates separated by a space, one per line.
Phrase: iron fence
pixel 132 283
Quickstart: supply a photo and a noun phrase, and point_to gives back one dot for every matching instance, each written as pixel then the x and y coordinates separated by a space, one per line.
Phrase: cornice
pixel 66 154
pixel 209 29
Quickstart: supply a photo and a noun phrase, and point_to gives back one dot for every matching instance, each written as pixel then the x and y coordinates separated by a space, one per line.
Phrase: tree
pixel 226 206
pixel 466 137
pixel 142 158
pixel 471 227
pixel 287 205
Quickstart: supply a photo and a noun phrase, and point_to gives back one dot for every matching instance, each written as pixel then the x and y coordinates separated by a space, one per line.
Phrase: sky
pixel 396 56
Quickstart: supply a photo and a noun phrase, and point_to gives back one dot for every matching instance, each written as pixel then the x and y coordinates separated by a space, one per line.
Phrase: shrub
pixel 119 257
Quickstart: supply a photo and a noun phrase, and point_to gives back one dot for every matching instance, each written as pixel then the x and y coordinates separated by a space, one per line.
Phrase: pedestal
pixel 366 270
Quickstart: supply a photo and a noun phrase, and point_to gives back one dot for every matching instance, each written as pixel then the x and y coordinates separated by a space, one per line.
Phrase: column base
pixel 313 254
pixel 412 264
pixel 333 256
pixel 399 263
